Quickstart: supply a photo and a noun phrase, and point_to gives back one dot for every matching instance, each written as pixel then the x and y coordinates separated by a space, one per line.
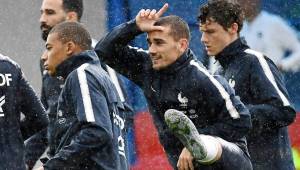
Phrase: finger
pixel 190 164
pixel 147 12
pixel 184 164
pixel 162 10
pixel 152 14
pixel 142 12
pixel 157 28
pixel 180 165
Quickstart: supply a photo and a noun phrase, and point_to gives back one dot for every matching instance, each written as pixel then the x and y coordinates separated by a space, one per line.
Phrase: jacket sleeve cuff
pixel 133 27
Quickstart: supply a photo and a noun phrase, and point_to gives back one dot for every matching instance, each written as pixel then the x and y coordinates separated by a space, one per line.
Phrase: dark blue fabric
pixel 268 140
pixel 17 96
pixel 165 89
pixel 79 142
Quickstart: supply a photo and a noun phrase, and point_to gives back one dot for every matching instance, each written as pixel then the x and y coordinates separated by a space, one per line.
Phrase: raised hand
pixel 145 19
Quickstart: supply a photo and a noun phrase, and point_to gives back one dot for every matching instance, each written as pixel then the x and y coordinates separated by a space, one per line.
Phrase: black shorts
pixel 232 158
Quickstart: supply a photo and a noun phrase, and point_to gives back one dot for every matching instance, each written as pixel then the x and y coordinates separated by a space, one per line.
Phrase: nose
pixel 43 18
pixel 203 38
pixel 44 56
pixel 152 49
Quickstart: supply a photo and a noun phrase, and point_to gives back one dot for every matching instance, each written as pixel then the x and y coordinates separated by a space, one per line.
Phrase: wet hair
pixel 75 32
pixel 73 6
pixel 223 12
pixel 179 28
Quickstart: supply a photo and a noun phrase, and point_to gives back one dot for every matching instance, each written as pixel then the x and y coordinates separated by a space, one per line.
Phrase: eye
pixel 50 12
pixel 210 31
pixel 159 42
pixel 48 48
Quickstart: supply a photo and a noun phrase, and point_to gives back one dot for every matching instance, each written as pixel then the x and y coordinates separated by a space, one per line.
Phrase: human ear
pixel 72 16
pixel 233 28
pixel 70 48
pixel 183 44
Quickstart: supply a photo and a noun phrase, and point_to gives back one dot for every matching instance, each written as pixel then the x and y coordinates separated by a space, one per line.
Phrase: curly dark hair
pixel 223 12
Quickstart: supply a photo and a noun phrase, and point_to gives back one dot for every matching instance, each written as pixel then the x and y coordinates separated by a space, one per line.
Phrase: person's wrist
pixel 136 29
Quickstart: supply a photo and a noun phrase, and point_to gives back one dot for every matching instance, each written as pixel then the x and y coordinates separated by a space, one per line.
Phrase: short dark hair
pixel 73 6
pixel 179 28
pixel 223 12
pixel 73 31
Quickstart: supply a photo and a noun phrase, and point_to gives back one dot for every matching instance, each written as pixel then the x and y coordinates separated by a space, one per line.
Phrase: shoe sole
pixel 185 130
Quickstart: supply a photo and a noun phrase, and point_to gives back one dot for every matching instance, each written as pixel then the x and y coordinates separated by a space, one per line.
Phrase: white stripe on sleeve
pixel 113 76
pixel 88 109
pixel 231 109
pixel 138 49
pixel 268 74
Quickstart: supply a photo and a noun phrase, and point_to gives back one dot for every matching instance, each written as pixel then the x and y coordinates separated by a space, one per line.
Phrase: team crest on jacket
pixel 183 100
pixel 59 113
pixel 231 82
pixel 61 120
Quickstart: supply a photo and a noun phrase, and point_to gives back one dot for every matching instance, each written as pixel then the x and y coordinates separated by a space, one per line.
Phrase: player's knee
pixel 213 149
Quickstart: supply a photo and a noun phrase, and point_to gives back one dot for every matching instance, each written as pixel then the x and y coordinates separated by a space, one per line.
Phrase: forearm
pixel 109 47
pixel 114 50
pixel 265 116
pixel 88 140
pixel 35 146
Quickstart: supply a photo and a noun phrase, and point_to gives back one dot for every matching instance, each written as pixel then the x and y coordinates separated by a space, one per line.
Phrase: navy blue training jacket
pixel 16 97
pixel 184 85
pixel 260 85
pixel 51 88
pixel 87 132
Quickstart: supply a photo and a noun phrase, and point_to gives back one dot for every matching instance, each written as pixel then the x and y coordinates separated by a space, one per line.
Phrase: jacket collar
pixel 231 52
pixel 179 63
pixel 72 63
